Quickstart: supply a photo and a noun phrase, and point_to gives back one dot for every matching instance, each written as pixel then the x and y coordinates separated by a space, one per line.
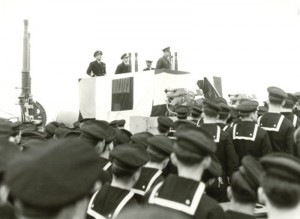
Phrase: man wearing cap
pixel 124 67
pixel 164 62
pixel 141 139
pixel 225 150
pixel 164 125
pixel 182 113
pixel 196 114
pixel 287 109
pixel 185 192
pixel 100 135
pixel 248 138
pixel 297 106
pixel 97 67
pixel 224 115
pixel 110 200
pixel 279 128
pixel 149 66
pixel 280 186
pixel 59 180
pixel 8 153
pixel 242 191
pixel 159 150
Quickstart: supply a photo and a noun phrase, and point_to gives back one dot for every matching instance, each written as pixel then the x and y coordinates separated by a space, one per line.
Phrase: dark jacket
pixel 280 131
pixel 123 68
pixel 293 118
pixel 99 69
pixel 110 201
pixel 163 62
pixel 186 196
pixel 250 139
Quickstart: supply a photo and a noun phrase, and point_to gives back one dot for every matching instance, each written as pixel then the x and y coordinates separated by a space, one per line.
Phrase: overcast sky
pixel 251 44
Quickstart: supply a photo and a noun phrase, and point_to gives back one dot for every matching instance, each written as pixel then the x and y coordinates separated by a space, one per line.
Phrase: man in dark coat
pixel 97 68
pixel 248 138
pixel 124 67
pixel 184 192
pixel 225 152
pixel 287 110
pixel 279 128
pixel 164 62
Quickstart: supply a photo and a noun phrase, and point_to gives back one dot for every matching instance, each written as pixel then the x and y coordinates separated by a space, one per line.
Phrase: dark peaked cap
pixel 165 121
pixel 211 105
pixel 197 109
pixel 195 139
pixel 130 156
pixel 225 109
pixel 161 144
pixel 291 100
pixel 277 93
pixel 7 151
pixel 297 94
pixel 284 166
pixel 98 52
pixel 252 171
pixel 141 138
pixel 168 49
pixel 247 107
pixel 55 176
pixel 97 129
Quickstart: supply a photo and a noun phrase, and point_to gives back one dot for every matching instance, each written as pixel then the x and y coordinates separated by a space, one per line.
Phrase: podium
pixel 129 95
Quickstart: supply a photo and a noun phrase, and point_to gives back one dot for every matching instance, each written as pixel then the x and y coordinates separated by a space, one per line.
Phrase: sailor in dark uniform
pixel 164 62
pixel 59 176
pixel 185 192
pixel 196 114
pixel 224 115
pixel 123 136
pixel 149 66
pixel 164 125
pixel 124 67
pixel 248 137
pixel 297 107
pixel 141 139
pixel 262 110
pixel 279 128
pixel 101 136
pixel 110 200
pixel 97 68
pixel 287 110
pixel 182 113
pixel 159 150
pixel 242 191
pixel 280 186
pixel 225 151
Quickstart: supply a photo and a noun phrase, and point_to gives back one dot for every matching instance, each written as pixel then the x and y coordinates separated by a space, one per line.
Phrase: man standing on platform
pixel 164 62
pixel 124 67
pixel 97 68
pixel 149 66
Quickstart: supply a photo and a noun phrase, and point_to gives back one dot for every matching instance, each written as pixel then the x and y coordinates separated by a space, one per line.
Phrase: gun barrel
pixel 26 48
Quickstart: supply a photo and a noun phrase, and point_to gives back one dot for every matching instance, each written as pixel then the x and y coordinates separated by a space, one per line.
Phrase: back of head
pixel 141 139
pixel 281 181
pixel 127 159
pixel 160 148
pixel 276 95
pixel 246 180
pixel 211 108
pixel 193 144
pixel 47 179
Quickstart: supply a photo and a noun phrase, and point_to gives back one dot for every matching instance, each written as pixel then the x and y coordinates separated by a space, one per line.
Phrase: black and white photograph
pixel 139 109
